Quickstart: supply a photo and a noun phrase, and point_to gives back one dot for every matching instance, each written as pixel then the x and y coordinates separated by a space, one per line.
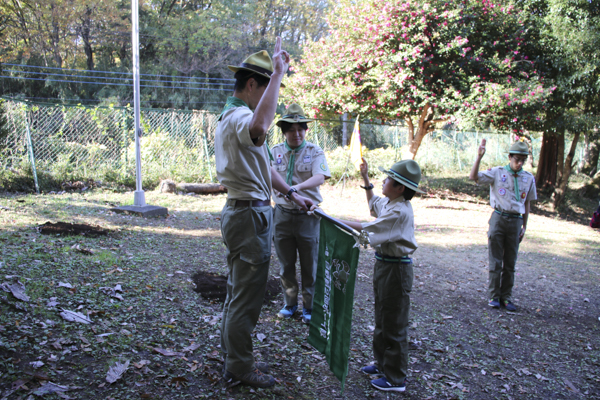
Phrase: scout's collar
pixel 232 102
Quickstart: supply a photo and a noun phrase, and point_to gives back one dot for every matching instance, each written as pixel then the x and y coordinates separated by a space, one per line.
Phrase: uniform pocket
pixel 406 277
pixel 300 167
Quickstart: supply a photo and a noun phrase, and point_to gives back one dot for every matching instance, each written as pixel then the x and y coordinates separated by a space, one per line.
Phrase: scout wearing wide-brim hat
pixel 293 115
pixel 260 63
pixel 406 172
pixel 519 148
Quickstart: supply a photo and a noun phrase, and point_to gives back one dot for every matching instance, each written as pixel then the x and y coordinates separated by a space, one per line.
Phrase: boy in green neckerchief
pixel 511 190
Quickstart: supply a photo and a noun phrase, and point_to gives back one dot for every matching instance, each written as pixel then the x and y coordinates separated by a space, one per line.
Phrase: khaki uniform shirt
pixel 243 168
pixel 503 196
pixel 309 161
pixel 393 232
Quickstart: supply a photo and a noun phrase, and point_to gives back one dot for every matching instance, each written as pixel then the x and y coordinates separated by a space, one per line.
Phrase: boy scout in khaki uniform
pixel 244 168
pixel 392 234
pixel 511 190
pixel 303 166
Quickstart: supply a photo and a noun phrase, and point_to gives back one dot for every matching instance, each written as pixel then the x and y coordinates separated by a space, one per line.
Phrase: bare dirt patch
pixel 67 228
pixel 213 286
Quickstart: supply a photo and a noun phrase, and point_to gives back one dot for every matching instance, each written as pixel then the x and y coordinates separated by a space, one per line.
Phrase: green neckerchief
pixel 516 176
pixel 234 102
pixel 290 170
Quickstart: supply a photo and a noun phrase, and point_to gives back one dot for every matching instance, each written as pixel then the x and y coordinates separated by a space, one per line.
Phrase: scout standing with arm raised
pixel 243 167
pixel 303 165
pixel 511 190
pixel 392 234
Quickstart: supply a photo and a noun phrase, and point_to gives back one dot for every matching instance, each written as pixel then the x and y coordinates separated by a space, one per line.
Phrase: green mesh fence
pixel 66 143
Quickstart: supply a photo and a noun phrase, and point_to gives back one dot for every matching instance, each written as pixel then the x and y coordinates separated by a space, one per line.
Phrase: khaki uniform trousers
pixel 392 283
pixel 503 246
pixel 247 234
pixel 297 232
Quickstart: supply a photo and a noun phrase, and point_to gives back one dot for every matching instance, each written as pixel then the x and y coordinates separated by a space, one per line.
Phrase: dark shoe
pixel 253 378
pixel 306 315
pixel 261 366
pixel 509 305
pixel 287 311
pixel 371 370
pixel 494 303
pixel 384 384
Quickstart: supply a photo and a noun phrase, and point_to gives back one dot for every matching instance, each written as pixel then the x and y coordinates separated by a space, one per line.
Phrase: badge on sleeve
pixel 306 159
pixel 501 191
pixel 323 167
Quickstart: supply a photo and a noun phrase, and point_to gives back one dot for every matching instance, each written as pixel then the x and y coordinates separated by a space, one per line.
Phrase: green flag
pixel 334 297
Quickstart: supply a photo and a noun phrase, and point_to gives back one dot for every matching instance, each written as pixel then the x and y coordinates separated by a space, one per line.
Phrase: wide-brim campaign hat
pixel 259 63
pixel 406 172
pixel 294 114
pixel 519 148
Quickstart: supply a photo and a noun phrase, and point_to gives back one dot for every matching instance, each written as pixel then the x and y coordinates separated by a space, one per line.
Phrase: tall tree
pixel 423 63
pixel 570 34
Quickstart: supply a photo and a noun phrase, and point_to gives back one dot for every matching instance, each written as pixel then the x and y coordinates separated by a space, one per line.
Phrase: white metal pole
pixel 138 196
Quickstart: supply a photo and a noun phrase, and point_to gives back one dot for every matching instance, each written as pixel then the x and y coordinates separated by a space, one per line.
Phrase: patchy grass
pixel 462 349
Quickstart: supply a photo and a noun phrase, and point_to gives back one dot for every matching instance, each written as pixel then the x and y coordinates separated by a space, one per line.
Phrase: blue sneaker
pixel 287 311
pixel 494 303
pixel 509 305
pixel 306 315
pixel 384 384
pixel 371 370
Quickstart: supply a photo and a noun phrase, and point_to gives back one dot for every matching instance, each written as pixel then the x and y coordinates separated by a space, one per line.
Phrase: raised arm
pixel 265 111
pixel 364 172
pixel 475 170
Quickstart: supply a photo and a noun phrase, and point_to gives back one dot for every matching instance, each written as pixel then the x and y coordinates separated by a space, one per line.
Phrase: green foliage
pixel 569 32
pixel 165 157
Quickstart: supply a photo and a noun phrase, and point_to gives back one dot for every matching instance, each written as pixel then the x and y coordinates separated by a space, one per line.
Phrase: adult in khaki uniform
pixel 392 234
pixel 511 191
pixel 303 166
pixel 243 167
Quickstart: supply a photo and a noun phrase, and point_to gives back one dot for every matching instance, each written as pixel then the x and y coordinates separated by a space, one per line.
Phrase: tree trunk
pixel 425 125
pixel 546 173
pixel 202 188
pixel 565 169
pixel 591 154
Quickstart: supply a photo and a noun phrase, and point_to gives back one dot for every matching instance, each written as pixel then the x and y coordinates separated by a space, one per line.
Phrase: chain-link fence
pixel 65 143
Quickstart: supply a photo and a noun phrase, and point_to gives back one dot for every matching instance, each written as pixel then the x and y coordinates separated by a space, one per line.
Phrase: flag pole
pixel 138 196
pixel 337 222
pixel 362 237
pixel 139 206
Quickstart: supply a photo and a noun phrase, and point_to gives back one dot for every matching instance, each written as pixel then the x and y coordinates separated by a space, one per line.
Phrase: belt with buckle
pixel 509 215
pixel 390 259
pixel 248 203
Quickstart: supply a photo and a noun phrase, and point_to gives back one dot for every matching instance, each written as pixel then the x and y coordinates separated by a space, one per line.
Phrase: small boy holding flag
pixel 392 236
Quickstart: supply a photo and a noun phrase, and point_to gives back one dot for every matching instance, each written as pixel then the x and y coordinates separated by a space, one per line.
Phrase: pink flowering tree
pixel 467 62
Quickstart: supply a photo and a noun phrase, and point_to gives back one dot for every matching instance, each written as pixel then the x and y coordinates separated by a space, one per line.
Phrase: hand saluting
pixel 481 150
pixel 281 58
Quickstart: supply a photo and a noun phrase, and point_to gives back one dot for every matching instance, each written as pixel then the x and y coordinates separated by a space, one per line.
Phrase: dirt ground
pixel 169 333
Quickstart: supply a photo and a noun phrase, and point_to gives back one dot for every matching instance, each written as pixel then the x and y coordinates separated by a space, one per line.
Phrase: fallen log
pixel 202 188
